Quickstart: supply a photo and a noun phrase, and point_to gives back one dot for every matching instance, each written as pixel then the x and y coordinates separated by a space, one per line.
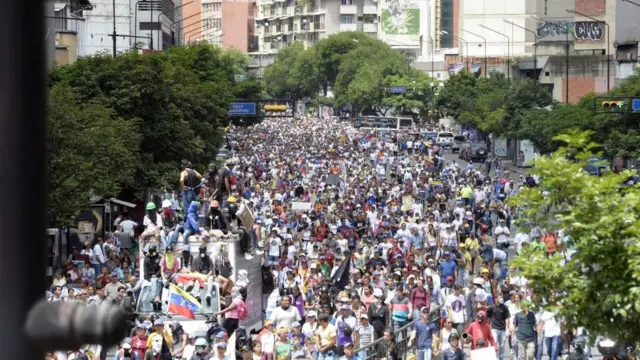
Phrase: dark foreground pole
pixel 22 164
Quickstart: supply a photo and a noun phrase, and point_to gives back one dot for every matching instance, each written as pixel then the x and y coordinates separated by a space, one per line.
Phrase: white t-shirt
pixel 519 239
pixel 274 246
pixel 551 324
pixel 456 303
pixel 499 254
pixel 502 233
pixel 285 318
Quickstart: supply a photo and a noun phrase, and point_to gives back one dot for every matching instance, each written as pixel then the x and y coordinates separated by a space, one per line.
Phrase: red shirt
pixel 481 332
pixel 139 346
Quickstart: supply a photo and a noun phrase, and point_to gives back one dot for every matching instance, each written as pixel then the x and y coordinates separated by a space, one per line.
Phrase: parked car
pixel 445 139
pixel 475 152
pixel 458 142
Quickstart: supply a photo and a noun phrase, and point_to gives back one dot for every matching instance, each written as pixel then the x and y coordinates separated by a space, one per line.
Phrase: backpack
pixel 243 313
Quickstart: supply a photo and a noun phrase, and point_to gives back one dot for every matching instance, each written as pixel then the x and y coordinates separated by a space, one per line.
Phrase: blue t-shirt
pixel 424 334
pixel 448 268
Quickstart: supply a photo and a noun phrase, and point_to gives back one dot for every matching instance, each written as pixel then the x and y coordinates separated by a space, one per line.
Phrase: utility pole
pixel 151 20
pixel 115 41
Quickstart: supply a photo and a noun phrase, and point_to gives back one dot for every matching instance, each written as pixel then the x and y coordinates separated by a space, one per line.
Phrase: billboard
pixel 400 18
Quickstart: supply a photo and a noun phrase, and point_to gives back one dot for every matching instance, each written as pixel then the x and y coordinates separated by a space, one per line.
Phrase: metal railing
pixel 403 348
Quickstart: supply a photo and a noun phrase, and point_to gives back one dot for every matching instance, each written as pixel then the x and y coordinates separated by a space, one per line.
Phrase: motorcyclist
pixel 578 354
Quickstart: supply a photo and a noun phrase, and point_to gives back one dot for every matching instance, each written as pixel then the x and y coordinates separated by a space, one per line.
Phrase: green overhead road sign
pixel 240 77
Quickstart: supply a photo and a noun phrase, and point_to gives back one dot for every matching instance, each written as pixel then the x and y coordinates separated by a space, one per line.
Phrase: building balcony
pixel 370 9
pixel 348 10
pixel 317 27
pixel 369 28
pixel 348 27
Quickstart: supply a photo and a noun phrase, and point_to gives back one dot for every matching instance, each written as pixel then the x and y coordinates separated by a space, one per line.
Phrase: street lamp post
pixel 608 42
pixel 508 47
pixel 486 68
pixel 535 46
pixel 566 58
pixel 443 32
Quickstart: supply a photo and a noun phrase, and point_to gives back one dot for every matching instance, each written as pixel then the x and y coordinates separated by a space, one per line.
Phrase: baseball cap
pixel 158 322
pixel 424 308
pixel 449 278
pixel 221 345
pixel 364 316
pixel 312 313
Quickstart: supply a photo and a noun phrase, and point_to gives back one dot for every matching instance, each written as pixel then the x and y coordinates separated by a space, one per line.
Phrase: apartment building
pixel 403 24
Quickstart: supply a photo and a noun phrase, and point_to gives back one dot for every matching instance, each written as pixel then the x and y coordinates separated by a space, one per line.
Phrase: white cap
pixel 166 203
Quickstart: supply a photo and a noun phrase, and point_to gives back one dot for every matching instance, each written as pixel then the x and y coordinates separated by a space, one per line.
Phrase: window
pixel 546 73
pixel 347 2
pixel 346 19
pixel 369 19
pixel 211 23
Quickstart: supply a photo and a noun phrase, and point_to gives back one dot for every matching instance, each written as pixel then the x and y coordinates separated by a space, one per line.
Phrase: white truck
pixel 218 245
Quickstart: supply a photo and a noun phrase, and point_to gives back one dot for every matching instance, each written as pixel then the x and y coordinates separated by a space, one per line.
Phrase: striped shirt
pixel 400 309
pixel 366 334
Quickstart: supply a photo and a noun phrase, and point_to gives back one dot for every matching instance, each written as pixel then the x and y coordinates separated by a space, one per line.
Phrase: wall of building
pixel 493 14
pixel 66 47
pixel 627 26
pixel 99 26
pixel 586 74
pixel 192 19
pixel 236 17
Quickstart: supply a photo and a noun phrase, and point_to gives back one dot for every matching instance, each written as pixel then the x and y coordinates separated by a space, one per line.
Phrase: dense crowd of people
pixel 373 246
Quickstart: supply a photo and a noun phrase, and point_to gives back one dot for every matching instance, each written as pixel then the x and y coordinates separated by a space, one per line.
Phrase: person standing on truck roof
pixel 190 182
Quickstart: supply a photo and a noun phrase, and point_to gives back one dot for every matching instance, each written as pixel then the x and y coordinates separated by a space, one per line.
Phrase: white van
pixel 444 139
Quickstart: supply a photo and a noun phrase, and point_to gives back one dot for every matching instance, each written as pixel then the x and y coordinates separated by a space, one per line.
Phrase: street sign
pixel 238 109
pixel 240 77
pixel 398 89
pixel 635 104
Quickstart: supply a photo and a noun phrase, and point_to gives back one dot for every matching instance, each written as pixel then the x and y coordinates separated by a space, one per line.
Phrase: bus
pixel 382 122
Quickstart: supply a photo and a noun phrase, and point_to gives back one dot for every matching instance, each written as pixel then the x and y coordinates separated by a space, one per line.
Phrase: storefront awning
pixel 530 62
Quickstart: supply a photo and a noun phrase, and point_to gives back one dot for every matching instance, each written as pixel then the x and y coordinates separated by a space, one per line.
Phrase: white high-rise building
pixel 403 24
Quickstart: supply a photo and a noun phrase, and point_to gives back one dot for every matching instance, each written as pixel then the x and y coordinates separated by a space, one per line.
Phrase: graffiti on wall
pixel 588 30
pixel 400 17
pixel 554 29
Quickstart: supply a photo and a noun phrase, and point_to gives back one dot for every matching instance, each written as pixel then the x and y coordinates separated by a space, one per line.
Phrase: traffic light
pixel 613 105
pixel 275 108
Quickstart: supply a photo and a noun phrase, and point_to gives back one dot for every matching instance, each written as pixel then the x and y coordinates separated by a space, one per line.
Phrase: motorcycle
pixel 612 351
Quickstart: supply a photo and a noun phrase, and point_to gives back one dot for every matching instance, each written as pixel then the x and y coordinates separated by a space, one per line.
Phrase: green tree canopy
pixel 599 286
pixel 294 73
pixel 87 153
pixel 161 107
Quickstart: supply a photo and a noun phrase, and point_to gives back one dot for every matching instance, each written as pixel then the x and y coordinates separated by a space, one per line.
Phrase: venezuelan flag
pixel 182 303
pixel 276 182
pixel 303 170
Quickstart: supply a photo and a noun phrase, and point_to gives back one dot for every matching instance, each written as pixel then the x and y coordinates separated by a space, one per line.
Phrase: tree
pixel 598 288
pixel 362 74
pixel 91 151
pixel 457 95
pixel 176 100
pixel 330 53
pixel 419 97
pixel 285 77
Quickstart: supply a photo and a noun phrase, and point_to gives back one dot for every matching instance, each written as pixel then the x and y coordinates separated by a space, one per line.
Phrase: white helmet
pixel 478 281
pixel 166 203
